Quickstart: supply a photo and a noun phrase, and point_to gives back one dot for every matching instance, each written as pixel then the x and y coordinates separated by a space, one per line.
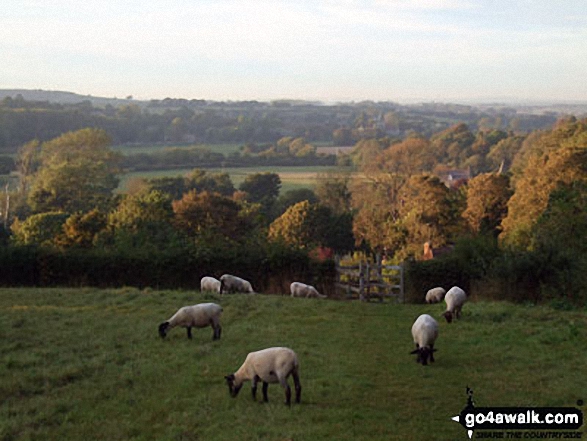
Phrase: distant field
pixel 81 364
pixel 291 177
pixel 225 149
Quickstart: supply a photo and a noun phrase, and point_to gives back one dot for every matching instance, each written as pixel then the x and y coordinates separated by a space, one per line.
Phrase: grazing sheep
pixel 272 365
pixel 210 284
pixel 229 283
pixel 299 289
pixel 435 295
pixel 424 332
pixel 454 298
pixel 199 316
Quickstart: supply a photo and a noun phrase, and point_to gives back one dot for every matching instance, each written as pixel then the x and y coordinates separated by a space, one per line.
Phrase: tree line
pixel 201 122
pixel 512 225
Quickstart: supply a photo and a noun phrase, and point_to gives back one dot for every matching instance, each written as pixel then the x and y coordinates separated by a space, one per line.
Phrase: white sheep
pixel 198 316
pixel 435 295
pixel 454 298
pixel 271 365
pixel 424 333
pixel 210 284
pixel 299 289
pixel 229 283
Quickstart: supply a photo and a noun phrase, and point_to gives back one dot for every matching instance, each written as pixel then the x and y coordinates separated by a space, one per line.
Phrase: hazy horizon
pixel 405 51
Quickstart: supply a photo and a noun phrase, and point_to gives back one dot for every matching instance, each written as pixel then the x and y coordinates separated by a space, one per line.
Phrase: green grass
pixel 291 177
pixel 88 364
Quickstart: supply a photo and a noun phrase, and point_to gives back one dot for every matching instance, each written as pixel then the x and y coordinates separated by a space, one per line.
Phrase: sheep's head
pixel 232 388
pixel 163 327
pixel 424 354
pixel 448 316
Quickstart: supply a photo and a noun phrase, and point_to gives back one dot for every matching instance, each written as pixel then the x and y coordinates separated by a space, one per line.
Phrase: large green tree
pixel 261 188
pixel 77 172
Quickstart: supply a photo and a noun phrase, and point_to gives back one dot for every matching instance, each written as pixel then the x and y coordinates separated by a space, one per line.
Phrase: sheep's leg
pixel 189 329
pixel 254 387
pixel 265 386
pixel 432 353
pixel 298 386
pixel 217 329
pixel 283 382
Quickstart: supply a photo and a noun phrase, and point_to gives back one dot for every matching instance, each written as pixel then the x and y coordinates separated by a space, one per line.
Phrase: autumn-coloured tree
pixel 303 226
pixel 209 214
pixel 502 153
pixel 376 201
pixel 452 146
pixel 408 157
pixel 567 132
pixel 38 229
pixel 81 230
pixel 426 214
pixel 560 157
pixel 487 198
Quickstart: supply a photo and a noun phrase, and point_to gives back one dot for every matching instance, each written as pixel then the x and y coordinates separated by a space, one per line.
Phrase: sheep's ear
pixel 229 377
pixel 434 350
pixel 415 351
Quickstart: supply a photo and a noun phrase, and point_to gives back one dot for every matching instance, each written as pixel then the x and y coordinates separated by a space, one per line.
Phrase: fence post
pixel 361 281
pixel 401 283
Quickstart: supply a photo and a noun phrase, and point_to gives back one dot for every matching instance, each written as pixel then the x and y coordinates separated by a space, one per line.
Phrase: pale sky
pixel 331 50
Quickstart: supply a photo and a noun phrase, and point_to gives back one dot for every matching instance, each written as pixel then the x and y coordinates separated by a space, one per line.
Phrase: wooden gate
pixel 370 280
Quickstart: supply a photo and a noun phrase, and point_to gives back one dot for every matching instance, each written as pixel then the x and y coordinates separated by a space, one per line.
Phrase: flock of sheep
pixel 275 365
pixel 425 328
pixel 271 365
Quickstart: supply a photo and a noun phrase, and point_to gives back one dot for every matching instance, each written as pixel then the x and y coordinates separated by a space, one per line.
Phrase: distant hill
pixel 55 96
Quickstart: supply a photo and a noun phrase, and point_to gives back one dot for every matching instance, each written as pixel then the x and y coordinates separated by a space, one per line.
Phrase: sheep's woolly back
pixel 198 316
pixel 435 295
pixel 425 331
pixel 209 284
pixel 271 365
pixel 230 283
pixel 299 289
pixel 454 298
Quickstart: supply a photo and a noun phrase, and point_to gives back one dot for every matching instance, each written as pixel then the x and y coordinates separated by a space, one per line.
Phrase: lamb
pixel 199 316
pixel 454 298
pixel 299 289
pixel 424 333
pixel 271 365
pixel 210 284
pixel 435 295
pixel 229 283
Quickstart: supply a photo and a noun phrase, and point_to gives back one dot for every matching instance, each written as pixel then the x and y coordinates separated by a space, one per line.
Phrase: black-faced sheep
pixel 435 295
pixel 424 333
pixel 454 298
pixel 197 316
pixel 210 284
pixel 299 289
pixel 229 283
pixel 272 365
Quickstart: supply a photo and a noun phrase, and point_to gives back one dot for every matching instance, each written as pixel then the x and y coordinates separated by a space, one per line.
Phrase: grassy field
pixel 291 177
pixel 88 364
pixel 225 149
